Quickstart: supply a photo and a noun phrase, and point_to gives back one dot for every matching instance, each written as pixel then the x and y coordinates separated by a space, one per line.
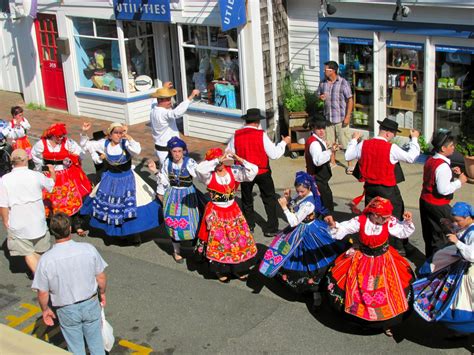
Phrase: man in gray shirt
pixel 71 273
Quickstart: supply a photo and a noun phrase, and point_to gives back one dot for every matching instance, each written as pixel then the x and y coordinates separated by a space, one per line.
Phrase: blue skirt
pixel 181 213
pixel 305 265
pixel 445 295
pixel 115 208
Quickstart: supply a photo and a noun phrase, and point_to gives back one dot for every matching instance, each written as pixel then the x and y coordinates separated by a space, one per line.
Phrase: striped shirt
pixel 337 94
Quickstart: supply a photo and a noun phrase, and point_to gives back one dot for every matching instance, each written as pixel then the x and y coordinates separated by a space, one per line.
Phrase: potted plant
pixel 465 146
pixel 294 101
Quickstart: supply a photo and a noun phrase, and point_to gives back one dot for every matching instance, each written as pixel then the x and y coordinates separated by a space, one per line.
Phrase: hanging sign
pixel 233 13
pixel 142 10
pixel 350 40
pixel 406 45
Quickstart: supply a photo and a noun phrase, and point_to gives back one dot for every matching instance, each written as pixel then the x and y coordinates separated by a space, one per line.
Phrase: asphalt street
pixel 159 307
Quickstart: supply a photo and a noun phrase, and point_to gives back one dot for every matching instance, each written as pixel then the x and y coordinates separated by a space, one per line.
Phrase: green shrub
pixel 424 146
pixel 465 146
pixel 34 107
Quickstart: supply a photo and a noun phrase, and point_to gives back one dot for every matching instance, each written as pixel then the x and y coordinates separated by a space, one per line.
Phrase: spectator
pixel 71 273
pixel 22 209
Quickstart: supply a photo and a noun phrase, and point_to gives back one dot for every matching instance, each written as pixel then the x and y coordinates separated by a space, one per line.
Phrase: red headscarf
pixel 380 206
pixel 55 130
pixel 214 153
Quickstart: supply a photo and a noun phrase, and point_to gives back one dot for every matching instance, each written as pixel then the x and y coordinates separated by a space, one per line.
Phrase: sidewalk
pixel 343 186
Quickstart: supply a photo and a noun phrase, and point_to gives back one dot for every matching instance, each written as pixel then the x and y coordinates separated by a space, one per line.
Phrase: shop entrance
pixel 50 62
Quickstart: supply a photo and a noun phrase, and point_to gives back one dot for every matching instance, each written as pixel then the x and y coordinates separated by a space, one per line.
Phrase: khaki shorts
pixel 25 247
pixel 343 134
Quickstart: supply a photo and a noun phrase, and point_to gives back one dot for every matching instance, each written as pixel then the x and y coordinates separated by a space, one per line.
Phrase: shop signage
pixel 233 13
pixel 464 50
pixel 406 45
pixel 350 40
pixel 142 10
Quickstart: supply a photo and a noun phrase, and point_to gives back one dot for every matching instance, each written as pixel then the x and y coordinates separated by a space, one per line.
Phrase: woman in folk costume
pixel 302 252
pixel 230 245
pixel 445 293
pixel 72 184
pixel 178 194
pixel 17 131
pixel 122 204
pixel 372 282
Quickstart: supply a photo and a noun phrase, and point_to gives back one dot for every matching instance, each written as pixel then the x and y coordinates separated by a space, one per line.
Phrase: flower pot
pixel 469 166
pixel 295 119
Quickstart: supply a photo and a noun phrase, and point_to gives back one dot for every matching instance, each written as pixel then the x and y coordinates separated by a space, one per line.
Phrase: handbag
pixel 200 251
pixel 107 333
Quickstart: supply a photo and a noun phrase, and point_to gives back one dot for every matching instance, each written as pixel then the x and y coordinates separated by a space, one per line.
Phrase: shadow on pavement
pixel 16 264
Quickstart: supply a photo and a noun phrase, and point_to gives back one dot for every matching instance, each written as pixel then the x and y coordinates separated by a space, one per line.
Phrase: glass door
pixel 454 104
pixel 356 65
pixel 405 85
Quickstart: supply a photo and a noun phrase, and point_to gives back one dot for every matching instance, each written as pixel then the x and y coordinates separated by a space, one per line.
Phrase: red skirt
pixel 373 288
pixel 23 143
pixel 71 186
pixel 227 233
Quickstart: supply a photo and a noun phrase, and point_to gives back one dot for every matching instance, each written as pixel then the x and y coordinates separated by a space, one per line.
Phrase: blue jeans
pixel 79 321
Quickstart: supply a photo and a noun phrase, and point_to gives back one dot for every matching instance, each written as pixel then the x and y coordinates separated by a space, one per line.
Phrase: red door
pixel 50 62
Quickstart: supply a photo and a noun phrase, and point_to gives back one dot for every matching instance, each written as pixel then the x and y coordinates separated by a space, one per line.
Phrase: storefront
pixel 95 59
pixel 418 71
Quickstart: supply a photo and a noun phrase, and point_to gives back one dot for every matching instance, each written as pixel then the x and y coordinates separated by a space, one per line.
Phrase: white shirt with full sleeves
pixel 318 156
pixel 245 172
pixel 443 176
pixel 399 229
pixel 273 151
pixel 304 209
pixel 38 149
pixel 163 180
pixel 132 146
pixel 397 154
pixel 18 130
pixel 21 191
pixel 466 248
pixel 163 122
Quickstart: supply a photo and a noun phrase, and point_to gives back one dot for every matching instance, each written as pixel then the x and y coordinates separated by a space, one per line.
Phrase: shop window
pixel 454 107
pixel 357 67
pixel 211 58
pixel 98 59
pixel 405 81
pixel 140 52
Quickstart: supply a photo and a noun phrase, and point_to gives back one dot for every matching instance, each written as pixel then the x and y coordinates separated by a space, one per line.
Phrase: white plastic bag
pixel 107 333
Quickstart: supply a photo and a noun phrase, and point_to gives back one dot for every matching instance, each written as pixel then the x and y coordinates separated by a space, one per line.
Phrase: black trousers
pixel 433 234
pixel 393 194
pixel 326 194
pixel 267 192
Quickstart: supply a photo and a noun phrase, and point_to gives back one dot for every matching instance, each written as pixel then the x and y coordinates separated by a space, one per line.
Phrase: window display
pixel 356 66
pixel 98 55
pixel 454 88
pixel 98 58
pixel 212 65
pixel 405 62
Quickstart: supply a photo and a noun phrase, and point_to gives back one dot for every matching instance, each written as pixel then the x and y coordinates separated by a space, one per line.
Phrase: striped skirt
pixel 181 213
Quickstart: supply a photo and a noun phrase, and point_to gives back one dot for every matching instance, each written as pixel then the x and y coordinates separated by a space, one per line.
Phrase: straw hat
pixel 112 126
pixel 164 93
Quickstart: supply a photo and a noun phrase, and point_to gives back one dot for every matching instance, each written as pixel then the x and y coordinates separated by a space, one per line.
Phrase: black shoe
pixel 270 234
pixel 317 300
pixel 252 229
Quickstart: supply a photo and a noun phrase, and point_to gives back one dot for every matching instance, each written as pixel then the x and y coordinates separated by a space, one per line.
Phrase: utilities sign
pixel 233 13
pixel 142 10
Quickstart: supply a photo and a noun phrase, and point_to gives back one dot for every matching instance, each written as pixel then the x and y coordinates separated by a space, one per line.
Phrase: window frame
pixel 185 90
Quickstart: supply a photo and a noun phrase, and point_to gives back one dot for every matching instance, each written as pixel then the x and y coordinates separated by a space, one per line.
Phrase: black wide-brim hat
pixel 389 125
pixel 253 115
pixel 317 122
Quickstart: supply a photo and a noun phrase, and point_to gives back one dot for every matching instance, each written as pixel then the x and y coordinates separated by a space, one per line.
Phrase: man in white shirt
pixel 253 144
pixel 163 117
pixel 22 209
pixel 318 155
pixel 71 273
pixel 379 168
pixel 437 192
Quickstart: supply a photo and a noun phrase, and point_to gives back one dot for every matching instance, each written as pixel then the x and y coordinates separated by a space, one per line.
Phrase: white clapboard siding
pixel 210 127
pixel 304 39
pixel 139 111
pixel 101 109
pixel 197 10
pixel 9 70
